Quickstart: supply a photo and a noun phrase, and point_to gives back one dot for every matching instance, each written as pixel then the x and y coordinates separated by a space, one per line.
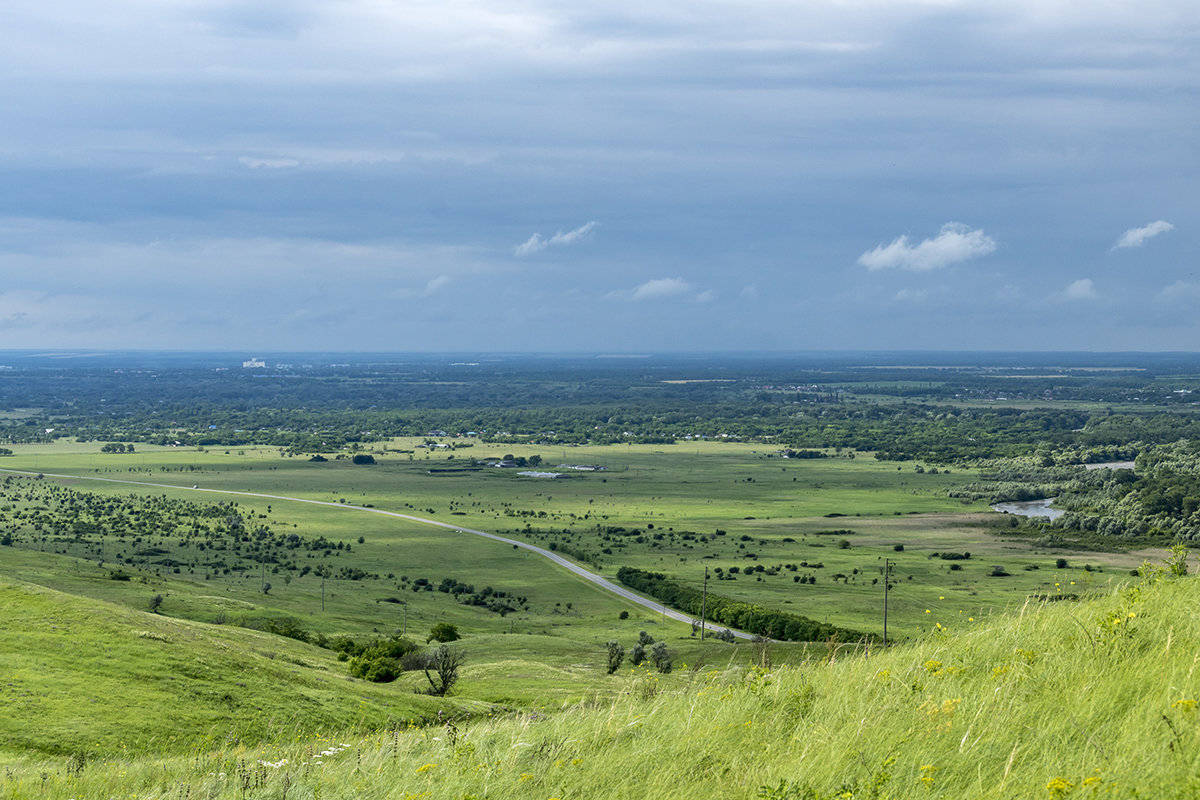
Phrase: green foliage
pixel 443 632
pixel 363 458
pixel 380 661
pixel 661 657
pixel 726 611
pixel 442 669
pixel 616 655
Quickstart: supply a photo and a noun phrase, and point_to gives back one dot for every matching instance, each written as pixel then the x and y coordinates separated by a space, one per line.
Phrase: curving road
pixel 587 575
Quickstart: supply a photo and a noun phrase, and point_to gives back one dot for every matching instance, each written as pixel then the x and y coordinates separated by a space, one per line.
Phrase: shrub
pixel 999 572
pixel 645 638
pixel 363 458
pixel 726 635
pixel 381 661
pixel 156 603
pixel 899 548
pixel 442 668
pixel 623 615
pixel 660 657
pixel 1060 563
pixel 616 654
pixel 637 655
pixel 443 632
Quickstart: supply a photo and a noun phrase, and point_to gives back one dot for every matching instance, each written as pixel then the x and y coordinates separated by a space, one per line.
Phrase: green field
pixel 999 711
pixel 786 515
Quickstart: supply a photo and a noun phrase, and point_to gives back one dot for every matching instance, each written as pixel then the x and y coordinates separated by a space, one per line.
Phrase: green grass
pixel 779 505
pixel 1092 699
pixel 87 676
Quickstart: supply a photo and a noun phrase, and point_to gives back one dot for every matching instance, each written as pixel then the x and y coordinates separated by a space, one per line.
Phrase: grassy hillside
pixel 82 675
pixel 1090 699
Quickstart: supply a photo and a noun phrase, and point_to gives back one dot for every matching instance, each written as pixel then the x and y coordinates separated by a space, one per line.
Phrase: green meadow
pixel 805 535
pixel 1096 698
pixel 141 588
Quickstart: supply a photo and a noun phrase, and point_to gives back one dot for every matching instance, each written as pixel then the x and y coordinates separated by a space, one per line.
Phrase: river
pixel 1030 508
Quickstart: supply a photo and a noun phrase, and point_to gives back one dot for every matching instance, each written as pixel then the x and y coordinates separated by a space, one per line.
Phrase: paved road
pixel 587 575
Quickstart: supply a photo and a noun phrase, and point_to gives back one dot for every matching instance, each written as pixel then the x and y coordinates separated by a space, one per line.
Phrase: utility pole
pixel 704 604
pixel 886 579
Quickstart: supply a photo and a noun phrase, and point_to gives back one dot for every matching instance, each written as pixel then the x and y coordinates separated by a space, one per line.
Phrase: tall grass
pixel 1091 699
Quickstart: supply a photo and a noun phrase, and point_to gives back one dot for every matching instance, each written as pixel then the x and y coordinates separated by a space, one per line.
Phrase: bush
pixel 1060 563
pixel 726 635
pixel 616 654
pixel 637 655
pixel 645 638
pixel 363 458
pixel 899 548
pixel 381 661
pixel 443 632
pixel 999 572
pixel 660 657
pixel 623 615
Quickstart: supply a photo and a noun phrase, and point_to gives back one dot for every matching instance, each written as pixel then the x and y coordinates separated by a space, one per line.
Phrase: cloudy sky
pixel 620 176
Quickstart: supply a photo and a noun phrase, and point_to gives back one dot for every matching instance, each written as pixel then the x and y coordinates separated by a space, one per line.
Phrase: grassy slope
pixel 1068 700
pixel 84 675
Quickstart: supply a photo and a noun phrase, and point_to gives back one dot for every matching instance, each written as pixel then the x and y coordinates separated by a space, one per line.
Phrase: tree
pixel 441 669
pixel 616 654
pixel 156 603
pixel 363 458
pixel 637 655
pixel 443 632
pixel 660 657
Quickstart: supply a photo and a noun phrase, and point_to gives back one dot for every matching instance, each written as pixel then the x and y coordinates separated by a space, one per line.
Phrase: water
pixel 1031 508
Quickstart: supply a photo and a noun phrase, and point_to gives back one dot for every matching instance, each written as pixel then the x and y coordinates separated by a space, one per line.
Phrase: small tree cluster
pixel 658 654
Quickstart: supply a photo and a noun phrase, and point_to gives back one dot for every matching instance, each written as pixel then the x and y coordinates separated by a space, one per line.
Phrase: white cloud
pixel 707 296
pixel 538 243
pixel 660 287
pixel 268 163
pixel 1180 291
pixel 1082 289
pixel 435 284
pixel 1136 237
pixel 954 243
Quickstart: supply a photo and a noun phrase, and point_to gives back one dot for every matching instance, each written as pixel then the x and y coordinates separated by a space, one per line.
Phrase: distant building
pixel 254 363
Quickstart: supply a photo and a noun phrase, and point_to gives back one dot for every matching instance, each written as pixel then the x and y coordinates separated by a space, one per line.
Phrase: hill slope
pixel 1087 699
pixel 79 675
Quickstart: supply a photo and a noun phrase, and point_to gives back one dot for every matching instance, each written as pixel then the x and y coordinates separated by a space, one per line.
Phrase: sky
pixel 544 175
